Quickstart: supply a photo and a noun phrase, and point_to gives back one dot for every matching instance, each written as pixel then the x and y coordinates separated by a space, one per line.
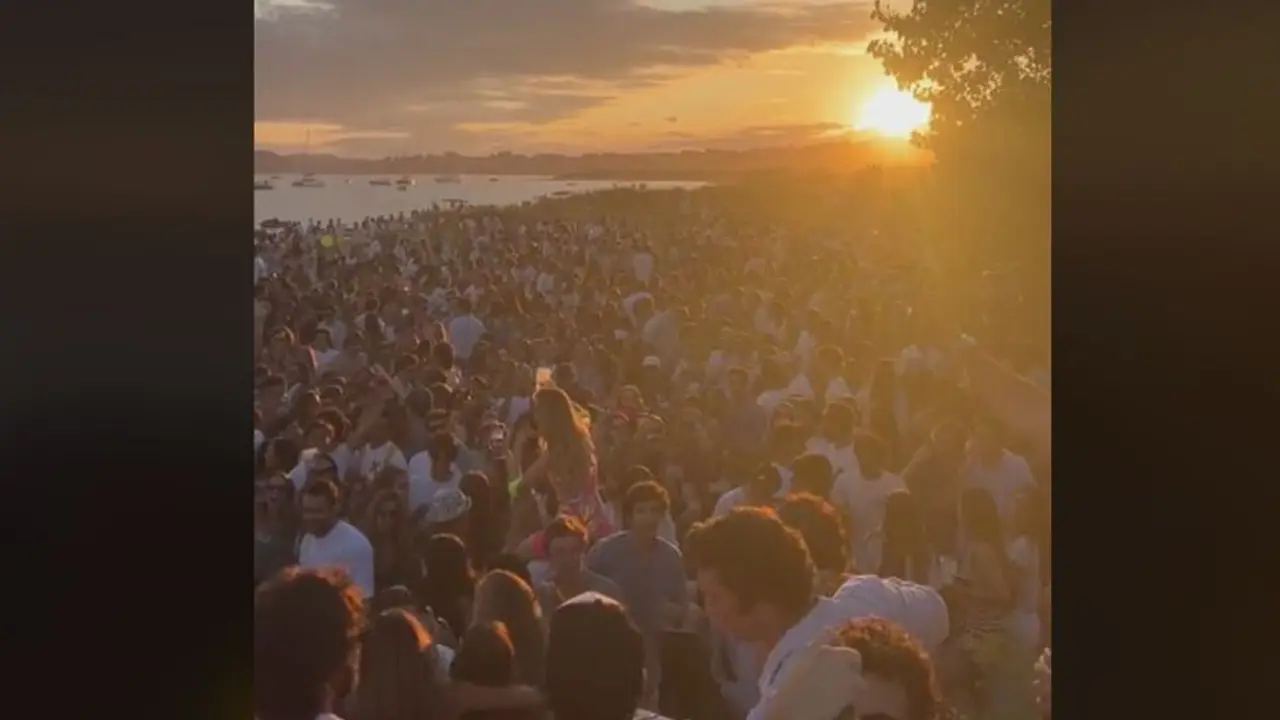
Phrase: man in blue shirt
pixel 650 572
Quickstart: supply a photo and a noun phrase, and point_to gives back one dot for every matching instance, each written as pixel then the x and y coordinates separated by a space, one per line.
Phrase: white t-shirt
pixel 738 496
pixel 515 408
pixel 917 609
pixel 325 357
pixel 771 399
pixel 373 460
pixel 836 388
pixel 464 333
pixel 344 547
pixel 1009 478
pixel 341 456
pixel 629 303
pixel 423 487
pixel 642 263
pixel 844 466
pixel 866 509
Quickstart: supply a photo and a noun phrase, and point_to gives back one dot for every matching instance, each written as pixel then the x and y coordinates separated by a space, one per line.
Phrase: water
pixel 357 199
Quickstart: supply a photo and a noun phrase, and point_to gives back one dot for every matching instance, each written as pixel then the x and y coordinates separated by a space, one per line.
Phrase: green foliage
pixel 985 65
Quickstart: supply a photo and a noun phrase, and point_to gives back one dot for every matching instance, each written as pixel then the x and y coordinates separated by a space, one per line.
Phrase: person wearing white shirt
pixel 784 615
pixel 773 482
pixel 330 542
pixel 322 347
pixel 433 471
pixel 642 264
pixel 824 372
pixel 629 304
pixel 1005 475
pixel 380 453
pixel 868 496
pixel 839 423
pixel 465 330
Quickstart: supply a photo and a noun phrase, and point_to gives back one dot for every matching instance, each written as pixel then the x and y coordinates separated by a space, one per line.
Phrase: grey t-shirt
pixel 550 598
pixel 648 579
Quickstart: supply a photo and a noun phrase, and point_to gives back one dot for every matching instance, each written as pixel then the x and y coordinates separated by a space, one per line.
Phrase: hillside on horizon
pixel 832 157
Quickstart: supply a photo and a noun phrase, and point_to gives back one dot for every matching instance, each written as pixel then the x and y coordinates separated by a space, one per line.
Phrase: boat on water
pixel 493 179
pixel 405 182
pixel 382 182
pixel 263 185
pixel 561 194
pixel 308 180
pixel 448 178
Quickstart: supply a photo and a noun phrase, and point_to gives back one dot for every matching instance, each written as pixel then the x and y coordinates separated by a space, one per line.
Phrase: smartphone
pixel 542 378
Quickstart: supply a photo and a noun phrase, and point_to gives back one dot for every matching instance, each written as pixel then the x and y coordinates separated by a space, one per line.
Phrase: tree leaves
pixel 985 65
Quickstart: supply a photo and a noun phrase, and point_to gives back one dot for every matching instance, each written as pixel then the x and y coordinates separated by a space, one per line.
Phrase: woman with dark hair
pixel 885 411
pixel 905 551
pixel 450 583
pixel 484 534
pixel 501 597
pixel 395 559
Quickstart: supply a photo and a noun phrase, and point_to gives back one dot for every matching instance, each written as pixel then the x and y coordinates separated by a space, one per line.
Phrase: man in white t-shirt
pixel 434 470
pixel 828 363
pixel 772 482
pixel 771 602
pixel 642 264
pixel 330 542
pixel 836 442
pixel 1005 475
pixel 379 452
pixel 868 497
pixel 322 347
pixel 464 330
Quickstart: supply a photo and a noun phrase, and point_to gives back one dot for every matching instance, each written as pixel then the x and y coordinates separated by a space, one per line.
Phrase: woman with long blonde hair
pixel 568 463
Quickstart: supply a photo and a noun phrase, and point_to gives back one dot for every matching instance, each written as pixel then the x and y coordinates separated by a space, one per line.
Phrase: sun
pixel 892 113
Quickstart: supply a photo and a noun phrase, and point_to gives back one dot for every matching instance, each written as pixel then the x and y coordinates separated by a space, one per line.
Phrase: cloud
pixel 425 66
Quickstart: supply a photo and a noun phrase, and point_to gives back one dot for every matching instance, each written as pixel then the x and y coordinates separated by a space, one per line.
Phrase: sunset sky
pixel 379 77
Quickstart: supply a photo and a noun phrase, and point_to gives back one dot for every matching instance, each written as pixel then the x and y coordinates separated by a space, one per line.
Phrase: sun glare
pixel 892 113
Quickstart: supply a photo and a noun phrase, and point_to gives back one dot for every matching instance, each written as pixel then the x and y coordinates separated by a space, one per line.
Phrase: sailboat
pixel 309 180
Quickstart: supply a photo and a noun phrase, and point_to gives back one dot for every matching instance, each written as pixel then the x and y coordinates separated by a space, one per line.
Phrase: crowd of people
pixel 637 455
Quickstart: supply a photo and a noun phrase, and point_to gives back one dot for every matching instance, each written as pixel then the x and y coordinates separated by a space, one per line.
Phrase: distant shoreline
pixel 586 175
